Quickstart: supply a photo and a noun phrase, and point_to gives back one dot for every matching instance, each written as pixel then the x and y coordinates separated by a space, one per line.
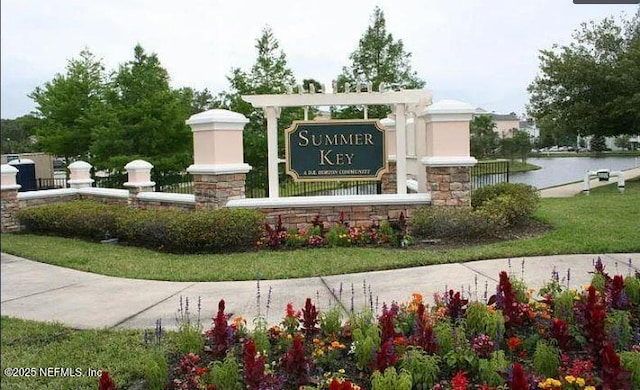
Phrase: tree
pixel 484 139
pixel 516 146
pixel 623 142
pixel 18 135
pixel 598 143
pixel 269 75
pixel 200 100
pixel 378 58
pixel 67 106
pixel 592 86
pixel 145 120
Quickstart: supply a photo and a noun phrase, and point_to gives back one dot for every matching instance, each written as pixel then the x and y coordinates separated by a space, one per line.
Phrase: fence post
pixel 448 161
pixel 80 175
pixel 9 199
pixel 139 180
pixel 218 169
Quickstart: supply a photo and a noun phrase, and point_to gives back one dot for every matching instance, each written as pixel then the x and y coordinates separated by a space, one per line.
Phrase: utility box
pixel 26 175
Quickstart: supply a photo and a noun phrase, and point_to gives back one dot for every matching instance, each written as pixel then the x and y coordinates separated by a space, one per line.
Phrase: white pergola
pixel 412 101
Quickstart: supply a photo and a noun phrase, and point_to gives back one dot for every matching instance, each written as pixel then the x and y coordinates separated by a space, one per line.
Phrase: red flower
pixel 460 381
pixel 106 382
pixel 514 343
pixel 518 378
pixel 337 385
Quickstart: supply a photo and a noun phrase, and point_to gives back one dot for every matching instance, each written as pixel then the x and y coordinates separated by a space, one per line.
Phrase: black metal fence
pixel 257 186
pixel 53 183
pixel 486 173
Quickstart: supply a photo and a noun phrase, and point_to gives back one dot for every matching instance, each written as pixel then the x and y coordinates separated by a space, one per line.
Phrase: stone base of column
pixel 449 186
pixel 390 179
pixel 10 207
pixel 133 194
pixel 213 191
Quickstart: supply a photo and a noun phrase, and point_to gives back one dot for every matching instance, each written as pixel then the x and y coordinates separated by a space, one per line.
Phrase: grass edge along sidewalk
pixel 603 222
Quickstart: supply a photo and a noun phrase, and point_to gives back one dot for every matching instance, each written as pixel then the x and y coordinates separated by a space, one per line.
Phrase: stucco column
pixel 9 199
pixel 80 175
pixel 272 151
pixel 448 161
pixel 401 148
pixel 139 180
pixel 218 168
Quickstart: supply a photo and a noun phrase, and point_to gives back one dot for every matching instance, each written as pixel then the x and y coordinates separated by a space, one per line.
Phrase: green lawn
pixel 604 221
pixel 33 346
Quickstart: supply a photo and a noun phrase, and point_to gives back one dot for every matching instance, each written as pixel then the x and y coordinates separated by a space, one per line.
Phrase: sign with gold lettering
pixel 335 150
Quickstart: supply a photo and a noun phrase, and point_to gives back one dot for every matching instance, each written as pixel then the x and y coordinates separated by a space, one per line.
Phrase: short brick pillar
pixel 9 199
pixel 80 175
pixel 448 161
pixel 139 180
pixel 218 168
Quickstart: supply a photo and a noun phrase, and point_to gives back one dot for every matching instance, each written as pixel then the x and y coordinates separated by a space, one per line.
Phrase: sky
pixel 484 53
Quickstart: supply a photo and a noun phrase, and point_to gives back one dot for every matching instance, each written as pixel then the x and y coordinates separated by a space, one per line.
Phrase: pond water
pixel 561 170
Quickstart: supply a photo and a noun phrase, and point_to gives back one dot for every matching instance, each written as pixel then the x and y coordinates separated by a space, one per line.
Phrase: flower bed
pixel 339 234
pixel 566 339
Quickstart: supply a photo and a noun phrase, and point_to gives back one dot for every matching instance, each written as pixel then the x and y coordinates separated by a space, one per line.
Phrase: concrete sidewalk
pixel 572 189
pixel 37 291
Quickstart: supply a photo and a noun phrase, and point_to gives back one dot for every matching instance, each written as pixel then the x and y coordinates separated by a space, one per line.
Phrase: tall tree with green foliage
pixel 598 143
pixel 200 100
pixel 270 74
pixel 518 145
pixel 18 134
pixel 145 120
pixel 484 139
pixel 378 58
pixel 67 107
pixel 592 86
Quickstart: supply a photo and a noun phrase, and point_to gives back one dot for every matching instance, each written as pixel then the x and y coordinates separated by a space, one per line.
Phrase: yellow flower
pixel 580 381
pixel 570 379
pixel 589 388
pixel 341 371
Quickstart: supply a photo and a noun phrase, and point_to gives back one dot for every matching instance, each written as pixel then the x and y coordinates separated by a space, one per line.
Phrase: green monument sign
pixel 336 150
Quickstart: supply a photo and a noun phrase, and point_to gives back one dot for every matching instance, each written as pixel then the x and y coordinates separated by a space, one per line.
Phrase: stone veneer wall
pixel 300 217
pixel 48 200
pixel 213 191
pixel 390 179
pixel 104 199
pixel 10 206
pixel 155 205
pixel 449 186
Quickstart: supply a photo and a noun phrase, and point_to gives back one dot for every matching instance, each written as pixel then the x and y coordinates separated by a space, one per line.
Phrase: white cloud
pixel 483 52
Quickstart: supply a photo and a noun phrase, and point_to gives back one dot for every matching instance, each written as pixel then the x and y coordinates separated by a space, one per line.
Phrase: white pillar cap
pixel 138 165
pixel 80 165
pixel 217 119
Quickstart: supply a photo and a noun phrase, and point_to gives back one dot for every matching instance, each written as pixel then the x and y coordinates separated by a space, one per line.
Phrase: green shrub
pixel 167 230
pixel 454 222
pixel 82 219
pixel 517 201
pixel 192 232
